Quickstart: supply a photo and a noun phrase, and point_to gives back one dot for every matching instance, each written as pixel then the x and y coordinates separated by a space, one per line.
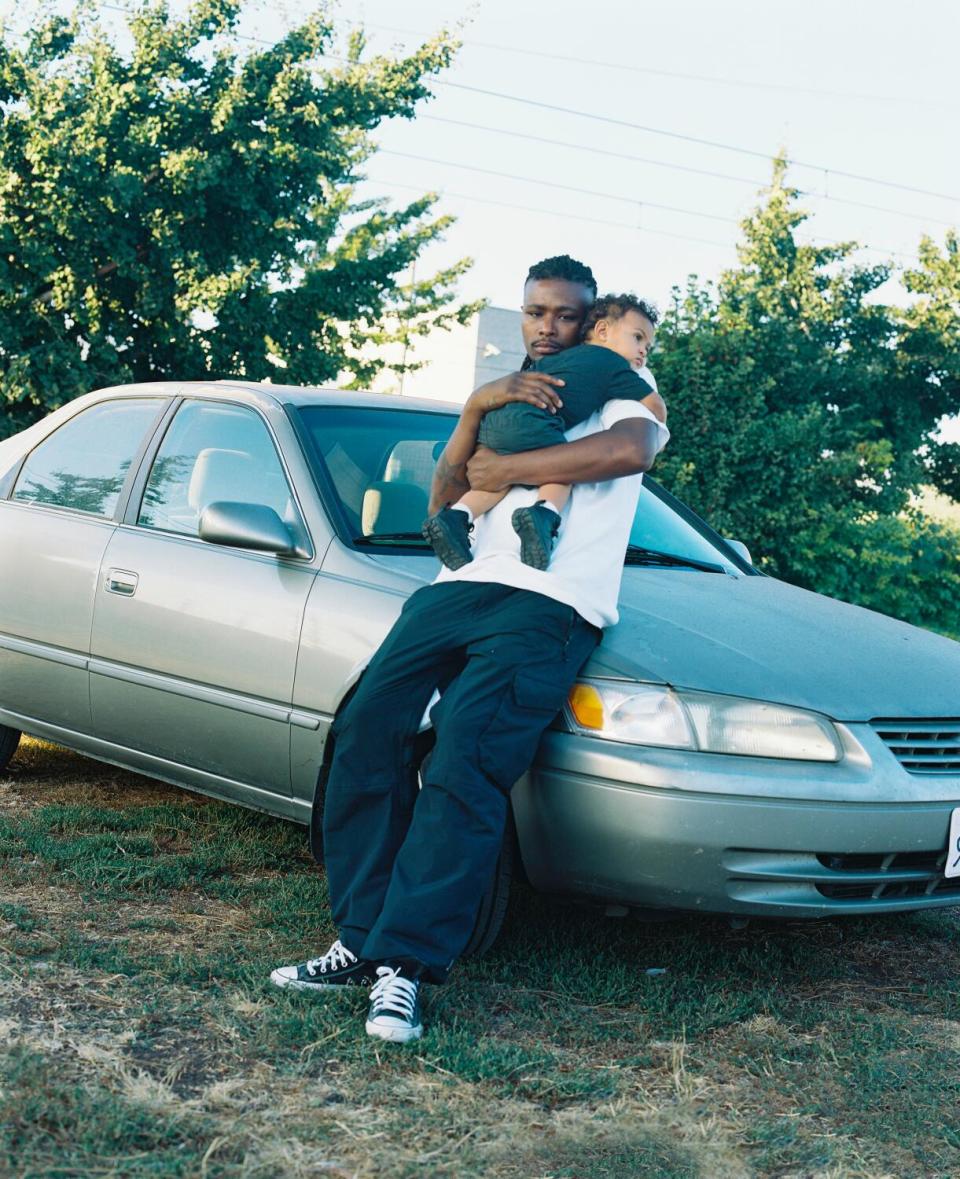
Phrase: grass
pixel 139 1035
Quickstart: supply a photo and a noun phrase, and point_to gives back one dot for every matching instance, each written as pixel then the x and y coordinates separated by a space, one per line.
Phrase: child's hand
pixel 534 388
pixel 657 406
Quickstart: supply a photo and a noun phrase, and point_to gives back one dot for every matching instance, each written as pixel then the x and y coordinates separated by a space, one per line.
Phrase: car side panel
pixel 197 665
pixel 48 577
pixel 352 606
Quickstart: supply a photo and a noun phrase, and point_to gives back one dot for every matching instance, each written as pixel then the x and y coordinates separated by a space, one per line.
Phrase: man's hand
pixel 486 470
pixel 450 475
pixel 535 388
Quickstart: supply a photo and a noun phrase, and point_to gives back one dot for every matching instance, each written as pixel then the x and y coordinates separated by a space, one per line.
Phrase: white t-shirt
pixel 587 562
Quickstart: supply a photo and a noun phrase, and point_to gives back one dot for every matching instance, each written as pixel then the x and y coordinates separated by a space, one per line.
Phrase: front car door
pixel 194 644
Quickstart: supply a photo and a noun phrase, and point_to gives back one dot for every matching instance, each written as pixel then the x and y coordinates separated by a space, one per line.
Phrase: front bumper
pixel 665 829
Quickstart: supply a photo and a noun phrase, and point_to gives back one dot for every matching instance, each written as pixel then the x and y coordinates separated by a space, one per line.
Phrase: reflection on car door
pixel 56 526
pixel 194 645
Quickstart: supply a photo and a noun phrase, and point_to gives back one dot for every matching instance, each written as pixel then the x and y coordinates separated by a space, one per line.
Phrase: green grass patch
pixel 140 1034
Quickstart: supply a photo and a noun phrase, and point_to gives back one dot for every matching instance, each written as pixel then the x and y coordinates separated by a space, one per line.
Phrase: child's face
pixel 631 336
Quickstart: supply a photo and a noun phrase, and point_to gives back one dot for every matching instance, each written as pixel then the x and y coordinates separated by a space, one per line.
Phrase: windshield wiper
pixel 638 555
pixel 416 538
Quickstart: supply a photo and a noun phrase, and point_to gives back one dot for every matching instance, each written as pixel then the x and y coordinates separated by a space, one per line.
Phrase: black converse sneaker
pixel 537 528
pixel 449 535
pixel 395 1005
pixel 336 968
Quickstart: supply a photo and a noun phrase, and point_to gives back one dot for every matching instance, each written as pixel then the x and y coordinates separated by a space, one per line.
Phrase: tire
pixel 493 907
pixel 9 740
pixel 493 904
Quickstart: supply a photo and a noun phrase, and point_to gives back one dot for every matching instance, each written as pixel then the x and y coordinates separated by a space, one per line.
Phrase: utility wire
pixel 610 196
pixel 746 151
pixel 623 155
pixel 741 83
pixel 463 196
pixel 628 200
pixel 606 223
pixel 625 123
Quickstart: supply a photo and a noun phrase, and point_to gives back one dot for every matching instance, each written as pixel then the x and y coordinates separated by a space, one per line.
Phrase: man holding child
pixel 503 640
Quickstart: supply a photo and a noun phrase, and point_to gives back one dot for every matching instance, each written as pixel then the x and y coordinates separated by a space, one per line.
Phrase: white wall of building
pixel 455 362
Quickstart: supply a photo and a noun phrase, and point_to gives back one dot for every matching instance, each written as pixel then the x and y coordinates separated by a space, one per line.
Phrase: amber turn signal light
pixel 586 706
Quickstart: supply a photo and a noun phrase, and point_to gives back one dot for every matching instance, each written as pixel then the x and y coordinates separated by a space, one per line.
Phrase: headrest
pixel 220 475
pixel 392 507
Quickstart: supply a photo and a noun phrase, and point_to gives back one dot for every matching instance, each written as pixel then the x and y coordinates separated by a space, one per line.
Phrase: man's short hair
pixel 566 269
pixel 616 307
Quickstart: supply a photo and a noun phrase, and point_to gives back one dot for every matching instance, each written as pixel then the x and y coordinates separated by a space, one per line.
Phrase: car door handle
pixel 121 581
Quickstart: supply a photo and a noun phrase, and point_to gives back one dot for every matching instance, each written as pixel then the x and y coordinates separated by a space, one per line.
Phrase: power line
pixel 746 151
pixel 827 171
pixel 599 151
pixel 622 155
pixel 605 222
pixel 610 196
pixel 652 70
pixel 639 204
pixel 553 213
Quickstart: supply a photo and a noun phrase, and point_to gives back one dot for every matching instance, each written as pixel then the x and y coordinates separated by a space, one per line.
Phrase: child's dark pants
pixel 407 868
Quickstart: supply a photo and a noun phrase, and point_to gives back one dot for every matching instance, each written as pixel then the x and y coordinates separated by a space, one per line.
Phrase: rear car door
pixel 54 529
pixel 194 644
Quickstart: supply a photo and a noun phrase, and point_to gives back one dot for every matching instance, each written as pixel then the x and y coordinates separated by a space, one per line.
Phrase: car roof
pixel 297 395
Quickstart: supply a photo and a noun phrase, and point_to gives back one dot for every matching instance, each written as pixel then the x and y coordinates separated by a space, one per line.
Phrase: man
pixel 503 642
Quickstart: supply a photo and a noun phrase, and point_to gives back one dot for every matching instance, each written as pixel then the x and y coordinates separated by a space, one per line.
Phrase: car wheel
pixel 493 905
pixel 9 740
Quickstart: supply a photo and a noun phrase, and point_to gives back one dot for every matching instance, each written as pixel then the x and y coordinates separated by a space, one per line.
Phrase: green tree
pixel 804 413
pixel 194 173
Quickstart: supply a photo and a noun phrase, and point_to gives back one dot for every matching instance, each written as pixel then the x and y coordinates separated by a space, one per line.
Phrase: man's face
pixel 553 313
pixel 631 335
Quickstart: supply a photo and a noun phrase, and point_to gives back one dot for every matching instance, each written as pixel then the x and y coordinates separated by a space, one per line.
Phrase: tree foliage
pixel 185 208
pixel 804 412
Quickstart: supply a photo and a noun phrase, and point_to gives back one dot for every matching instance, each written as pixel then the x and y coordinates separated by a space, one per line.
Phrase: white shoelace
pixel 399 994
pixel 337 956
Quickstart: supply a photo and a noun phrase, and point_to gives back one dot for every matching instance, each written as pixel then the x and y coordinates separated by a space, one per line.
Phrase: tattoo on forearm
pixel 450 479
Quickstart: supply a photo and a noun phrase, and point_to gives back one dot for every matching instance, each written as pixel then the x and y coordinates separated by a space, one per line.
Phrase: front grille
pixel 911 874
pixel 922 746
pixel 847 881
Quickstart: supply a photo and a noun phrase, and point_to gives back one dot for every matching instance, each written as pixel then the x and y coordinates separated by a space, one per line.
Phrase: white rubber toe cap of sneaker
pixel 393 1029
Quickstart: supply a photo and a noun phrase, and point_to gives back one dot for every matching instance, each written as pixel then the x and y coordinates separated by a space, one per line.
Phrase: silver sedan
pixel 194 577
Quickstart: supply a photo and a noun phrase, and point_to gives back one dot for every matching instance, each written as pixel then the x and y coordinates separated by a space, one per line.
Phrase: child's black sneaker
pixel 449 535
pixel 537 528
pixel 336 968
pixel 395 1004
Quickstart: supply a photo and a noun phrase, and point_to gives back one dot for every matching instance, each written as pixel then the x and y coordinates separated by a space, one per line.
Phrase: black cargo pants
pixel 407 868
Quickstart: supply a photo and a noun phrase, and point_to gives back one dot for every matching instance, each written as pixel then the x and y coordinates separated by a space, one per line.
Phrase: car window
pixel 83 464
pixel 657 525
pixel 210 453
pixel 379 463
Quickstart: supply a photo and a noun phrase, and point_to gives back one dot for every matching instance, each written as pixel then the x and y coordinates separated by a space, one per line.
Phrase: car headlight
pixel 650 714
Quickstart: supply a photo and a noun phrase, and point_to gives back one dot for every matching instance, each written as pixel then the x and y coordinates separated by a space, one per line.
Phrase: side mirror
pixel 740 549
pixel 248 526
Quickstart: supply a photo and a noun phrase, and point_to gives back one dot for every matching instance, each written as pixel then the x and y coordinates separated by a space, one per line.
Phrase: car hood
pixel 765 639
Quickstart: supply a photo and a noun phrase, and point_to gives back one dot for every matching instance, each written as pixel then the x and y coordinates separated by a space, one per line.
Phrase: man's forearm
pixel 449 481
pixel 607 455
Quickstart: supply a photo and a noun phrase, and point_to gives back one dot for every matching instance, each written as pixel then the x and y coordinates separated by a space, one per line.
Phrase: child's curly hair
pixel 616 307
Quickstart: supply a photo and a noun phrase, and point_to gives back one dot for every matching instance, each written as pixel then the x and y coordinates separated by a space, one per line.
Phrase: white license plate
pixel 952 866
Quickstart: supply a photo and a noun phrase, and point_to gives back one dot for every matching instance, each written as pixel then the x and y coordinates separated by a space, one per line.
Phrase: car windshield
pixel 374 467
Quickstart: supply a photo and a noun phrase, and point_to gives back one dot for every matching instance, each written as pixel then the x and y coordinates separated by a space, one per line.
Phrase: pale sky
pixel 845 86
